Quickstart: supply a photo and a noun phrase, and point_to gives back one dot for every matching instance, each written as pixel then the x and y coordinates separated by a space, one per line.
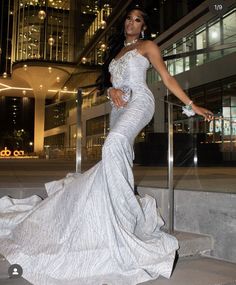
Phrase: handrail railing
pixel 171 158
pixel 170 166
pixel 79 101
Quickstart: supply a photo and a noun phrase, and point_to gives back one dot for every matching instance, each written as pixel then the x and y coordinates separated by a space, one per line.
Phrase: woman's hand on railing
pixel 207 114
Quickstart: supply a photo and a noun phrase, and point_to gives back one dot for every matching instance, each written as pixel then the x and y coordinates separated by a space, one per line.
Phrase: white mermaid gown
pixel 92 229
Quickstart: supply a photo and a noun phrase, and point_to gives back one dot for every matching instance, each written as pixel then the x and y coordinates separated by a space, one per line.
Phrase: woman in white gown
pixel 92 229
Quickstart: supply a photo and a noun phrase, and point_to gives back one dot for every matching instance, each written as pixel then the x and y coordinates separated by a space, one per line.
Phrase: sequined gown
pixel 92 229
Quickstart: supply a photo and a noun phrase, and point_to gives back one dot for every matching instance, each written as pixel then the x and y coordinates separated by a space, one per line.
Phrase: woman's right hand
pixel 207 114
pixel 116 97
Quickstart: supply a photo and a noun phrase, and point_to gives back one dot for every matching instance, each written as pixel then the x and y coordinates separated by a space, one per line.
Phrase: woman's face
pixel 134 23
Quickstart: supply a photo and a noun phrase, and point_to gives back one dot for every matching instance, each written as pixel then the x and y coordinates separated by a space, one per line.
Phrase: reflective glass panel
pixel 229 31
pixel 214 38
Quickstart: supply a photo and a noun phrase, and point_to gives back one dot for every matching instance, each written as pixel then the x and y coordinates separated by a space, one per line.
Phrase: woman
pixel 134 27
pixel 92 229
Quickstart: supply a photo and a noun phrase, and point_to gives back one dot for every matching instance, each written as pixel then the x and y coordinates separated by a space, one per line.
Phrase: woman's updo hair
pixel 116 42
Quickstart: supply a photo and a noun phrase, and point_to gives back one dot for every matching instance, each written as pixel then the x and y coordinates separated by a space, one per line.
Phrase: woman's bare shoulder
pixel 147 45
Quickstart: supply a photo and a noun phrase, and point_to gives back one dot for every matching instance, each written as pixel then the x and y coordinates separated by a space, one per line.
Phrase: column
pixel 39 118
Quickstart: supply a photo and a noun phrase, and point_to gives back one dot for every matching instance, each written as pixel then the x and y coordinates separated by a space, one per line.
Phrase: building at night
pixel 40 43
pixel 50 49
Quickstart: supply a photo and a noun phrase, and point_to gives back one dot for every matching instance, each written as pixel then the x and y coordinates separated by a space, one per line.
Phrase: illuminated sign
pixel 6 153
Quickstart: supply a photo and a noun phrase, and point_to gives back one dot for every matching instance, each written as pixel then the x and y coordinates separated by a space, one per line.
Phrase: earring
pixel 142 34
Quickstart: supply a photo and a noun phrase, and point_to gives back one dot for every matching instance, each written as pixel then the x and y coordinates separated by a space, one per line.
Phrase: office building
pixel 57 47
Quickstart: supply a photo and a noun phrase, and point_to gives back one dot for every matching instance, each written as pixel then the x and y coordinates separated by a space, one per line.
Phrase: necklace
pixel 127 44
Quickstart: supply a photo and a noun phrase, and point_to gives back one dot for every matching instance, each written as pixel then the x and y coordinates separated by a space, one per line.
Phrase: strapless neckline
pixel 135 51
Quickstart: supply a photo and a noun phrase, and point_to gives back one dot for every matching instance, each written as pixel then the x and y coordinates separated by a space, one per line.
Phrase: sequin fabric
pixel 92 229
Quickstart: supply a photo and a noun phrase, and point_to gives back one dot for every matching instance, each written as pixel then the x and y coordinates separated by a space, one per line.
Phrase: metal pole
pixel 170 168
pixel 79 100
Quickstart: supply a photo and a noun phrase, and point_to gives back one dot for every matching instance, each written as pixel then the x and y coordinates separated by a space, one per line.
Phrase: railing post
pixel 79 100
pixel 170 168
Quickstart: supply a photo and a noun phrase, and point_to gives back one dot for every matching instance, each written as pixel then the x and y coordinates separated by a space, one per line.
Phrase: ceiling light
pixel 103 47
pixel 84 60
pixel 41 15
pixel 51 41
pixel 103 25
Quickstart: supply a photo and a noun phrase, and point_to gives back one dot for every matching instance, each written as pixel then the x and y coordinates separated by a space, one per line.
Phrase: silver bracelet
pixel 189 105
pixel 188 110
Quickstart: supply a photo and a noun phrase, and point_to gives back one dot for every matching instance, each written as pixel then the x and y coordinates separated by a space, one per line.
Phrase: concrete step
pixel 193 244
pixel 23 192
pixel 190 243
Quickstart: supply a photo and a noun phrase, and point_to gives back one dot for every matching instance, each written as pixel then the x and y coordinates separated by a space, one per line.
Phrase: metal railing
pixel 79 101
pixel 170 166
pixel 170 127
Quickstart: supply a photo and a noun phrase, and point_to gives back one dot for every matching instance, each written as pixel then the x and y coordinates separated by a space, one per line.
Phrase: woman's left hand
pixel 207 114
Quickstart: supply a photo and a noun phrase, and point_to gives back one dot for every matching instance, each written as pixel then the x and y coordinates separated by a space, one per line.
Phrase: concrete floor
pixel 212 179
pixel 200 271
pixel 22 173
pixel 188 271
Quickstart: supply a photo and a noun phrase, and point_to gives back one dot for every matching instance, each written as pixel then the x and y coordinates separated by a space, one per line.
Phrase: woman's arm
pixel 153 53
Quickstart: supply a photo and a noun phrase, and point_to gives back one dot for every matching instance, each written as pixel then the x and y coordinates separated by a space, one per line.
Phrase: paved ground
pixel 200 271
pixel 28 173
pixel 188 271
pixel 213 179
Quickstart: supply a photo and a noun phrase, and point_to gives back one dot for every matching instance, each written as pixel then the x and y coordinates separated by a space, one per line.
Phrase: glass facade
pixel 96 132
pixel 220 31
pixel 44 30
pixel 98 23
pixel 6 21
pixel 93 98
pixel 56 141
pixel 17 122
pixel 219 97
pixel 72 135
pixel 55 115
